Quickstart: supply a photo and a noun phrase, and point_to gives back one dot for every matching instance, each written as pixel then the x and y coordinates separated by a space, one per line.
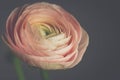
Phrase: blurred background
pixel 100 18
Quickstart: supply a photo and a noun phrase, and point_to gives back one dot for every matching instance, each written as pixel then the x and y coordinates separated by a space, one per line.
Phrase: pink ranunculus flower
pixel 45 35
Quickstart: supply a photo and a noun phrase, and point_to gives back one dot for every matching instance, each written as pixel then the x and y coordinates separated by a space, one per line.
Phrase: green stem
pixel 18 69
pixel 45 75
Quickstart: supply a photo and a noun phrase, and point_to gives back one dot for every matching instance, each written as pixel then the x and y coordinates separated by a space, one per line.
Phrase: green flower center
pixel 46 31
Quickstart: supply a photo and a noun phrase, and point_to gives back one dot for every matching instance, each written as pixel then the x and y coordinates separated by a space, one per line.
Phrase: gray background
pixel 100 18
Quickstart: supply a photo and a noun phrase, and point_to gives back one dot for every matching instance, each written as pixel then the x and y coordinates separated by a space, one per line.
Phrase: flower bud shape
pixel 46 36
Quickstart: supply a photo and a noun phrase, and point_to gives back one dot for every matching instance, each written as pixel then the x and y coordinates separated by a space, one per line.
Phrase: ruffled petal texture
pixel 45 35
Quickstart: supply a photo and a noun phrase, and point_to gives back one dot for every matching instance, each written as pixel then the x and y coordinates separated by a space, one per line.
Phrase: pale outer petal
pixel 82 47
pixel 32 60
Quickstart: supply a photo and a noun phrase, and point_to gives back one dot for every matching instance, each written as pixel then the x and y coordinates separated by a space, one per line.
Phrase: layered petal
pixel 46 36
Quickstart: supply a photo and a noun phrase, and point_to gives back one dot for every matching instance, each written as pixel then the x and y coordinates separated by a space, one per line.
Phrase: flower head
pixel 46 36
